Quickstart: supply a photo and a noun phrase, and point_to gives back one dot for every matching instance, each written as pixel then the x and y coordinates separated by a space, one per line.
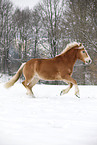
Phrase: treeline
pixel 45 30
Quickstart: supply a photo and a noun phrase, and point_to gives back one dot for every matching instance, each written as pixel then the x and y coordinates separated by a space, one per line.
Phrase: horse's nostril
pixel 90 61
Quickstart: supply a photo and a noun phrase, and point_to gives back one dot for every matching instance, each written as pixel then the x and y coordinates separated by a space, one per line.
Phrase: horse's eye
pixel 83 51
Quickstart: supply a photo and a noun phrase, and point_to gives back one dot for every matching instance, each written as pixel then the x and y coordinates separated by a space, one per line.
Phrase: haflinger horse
pixel 57 68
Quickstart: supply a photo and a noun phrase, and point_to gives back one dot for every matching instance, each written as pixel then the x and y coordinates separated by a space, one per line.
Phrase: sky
pixel 25 3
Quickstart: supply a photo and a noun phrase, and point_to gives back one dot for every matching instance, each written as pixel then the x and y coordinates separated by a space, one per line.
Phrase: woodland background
pixel 45 30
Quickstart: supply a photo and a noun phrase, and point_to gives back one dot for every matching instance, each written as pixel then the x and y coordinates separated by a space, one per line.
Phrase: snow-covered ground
pixel 48 119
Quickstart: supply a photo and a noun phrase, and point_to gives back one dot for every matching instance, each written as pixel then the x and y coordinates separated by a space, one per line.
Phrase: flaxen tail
pixel 15 77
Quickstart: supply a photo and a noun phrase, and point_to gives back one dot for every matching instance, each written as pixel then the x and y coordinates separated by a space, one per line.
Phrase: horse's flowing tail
pixel 15 77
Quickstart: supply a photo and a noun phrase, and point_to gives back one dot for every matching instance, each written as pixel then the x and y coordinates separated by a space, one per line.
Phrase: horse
pixel 57 68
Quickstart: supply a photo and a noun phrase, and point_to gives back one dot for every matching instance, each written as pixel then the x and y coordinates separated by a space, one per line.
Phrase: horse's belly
pixel 50 76
pixel 48 70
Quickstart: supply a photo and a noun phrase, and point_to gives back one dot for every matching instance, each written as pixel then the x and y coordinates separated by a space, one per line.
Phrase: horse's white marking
pixel 77 91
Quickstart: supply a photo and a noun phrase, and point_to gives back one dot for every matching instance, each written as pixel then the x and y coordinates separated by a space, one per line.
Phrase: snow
pixel 48 119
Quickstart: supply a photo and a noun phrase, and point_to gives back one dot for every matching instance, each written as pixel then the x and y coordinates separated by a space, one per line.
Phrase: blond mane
pixel 70 46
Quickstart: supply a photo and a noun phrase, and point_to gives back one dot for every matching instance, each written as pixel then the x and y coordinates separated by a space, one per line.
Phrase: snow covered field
pixel 48 119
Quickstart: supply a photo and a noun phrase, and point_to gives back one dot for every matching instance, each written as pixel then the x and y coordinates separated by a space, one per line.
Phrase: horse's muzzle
pixel 88 61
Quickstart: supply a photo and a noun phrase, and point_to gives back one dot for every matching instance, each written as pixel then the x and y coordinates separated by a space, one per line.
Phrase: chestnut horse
pixel 57 68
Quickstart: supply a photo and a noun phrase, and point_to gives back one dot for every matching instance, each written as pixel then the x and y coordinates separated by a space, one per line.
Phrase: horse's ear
pixel 80 44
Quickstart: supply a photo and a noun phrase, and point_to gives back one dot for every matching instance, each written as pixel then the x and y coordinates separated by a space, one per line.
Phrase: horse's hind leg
pixel 32 83
pixel 29 91
pixel 29 85
pixel 65 91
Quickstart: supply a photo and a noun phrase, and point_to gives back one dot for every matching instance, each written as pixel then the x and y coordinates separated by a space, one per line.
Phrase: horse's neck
pixel 71 57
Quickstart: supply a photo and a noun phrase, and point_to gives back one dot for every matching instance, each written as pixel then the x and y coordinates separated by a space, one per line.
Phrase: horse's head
pixel 83 55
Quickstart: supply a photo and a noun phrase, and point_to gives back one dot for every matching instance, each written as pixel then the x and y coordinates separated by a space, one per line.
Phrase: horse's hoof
pixel 30 94
pixel 61 93
pixel 77 95
pixel 64 91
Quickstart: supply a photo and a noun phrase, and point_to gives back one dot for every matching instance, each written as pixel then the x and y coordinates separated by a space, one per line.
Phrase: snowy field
pixel 48 119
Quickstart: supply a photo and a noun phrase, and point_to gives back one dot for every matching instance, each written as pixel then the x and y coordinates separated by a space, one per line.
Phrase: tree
pixel 81 26
pixel 6 33
pixel 35 27
pixel 22 20
pixel 51 13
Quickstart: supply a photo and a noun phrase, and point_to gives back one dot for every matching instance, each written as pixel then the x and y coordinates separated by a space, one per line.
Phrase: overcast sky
pixel 25 3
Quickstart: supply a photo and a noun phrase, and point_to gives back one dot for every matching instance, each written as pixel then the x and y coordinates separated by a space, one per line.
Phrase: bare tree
pixel 51 13
pixel 81 26
pixel 35 28
pixel 6 33
pixel 22 20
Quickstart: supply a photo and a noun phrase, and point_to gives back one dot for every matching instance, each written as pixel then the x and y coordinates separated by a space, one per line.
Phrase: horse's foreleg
pixel 77 91
pixel 29 90
pixel 70 80
pixel 65 91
